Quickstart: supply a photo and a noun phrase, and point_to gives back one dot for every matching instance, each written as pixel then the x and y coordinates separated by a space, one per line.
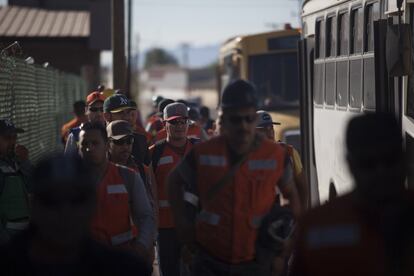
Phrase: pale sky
pixel 168 23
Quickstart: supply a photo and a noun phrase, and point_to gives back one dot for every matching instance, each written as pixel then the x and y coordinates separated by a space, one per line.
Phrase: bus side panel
pixel 306 58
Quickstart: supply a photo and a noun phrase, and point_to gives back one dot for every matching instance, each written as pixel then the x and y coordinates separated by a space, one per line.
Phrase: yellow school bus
pixel 268 60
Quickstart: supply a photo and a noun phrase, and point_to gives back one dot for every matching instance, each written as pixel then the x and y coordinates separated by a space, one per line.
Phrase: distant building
pixel 177 83
pixel 68 34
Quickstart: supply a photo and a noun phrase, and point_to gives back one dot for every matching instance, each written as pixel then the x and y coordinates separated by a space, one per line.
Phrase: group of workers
pixel 206 198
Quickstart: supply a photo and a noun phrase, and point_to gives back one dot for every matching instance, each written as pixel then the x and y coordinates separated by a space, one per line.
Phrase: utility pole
pixel 118 45
pixel 129 53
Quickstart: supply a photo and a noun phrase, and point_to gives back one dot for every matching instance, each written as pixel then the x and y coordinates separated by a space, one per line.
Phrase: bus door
pixel 306 64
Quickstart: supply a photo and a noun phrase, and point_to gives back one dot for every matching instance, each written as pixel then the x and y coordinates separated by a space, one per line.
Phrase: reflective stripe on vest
pixel 213 160
pixel 116 189
pixel 262 165
pixel 163 204
pixel 333 236
pixel 122 238
pixel 191 198
pixel 207 217
pixel 7 169
pixel 17 225
pixel 166 160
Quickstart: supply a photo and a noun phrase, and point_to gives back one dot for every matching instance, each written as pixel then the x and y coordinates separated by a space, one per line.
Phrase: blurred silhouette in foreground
pixel 370 230
pixel 58 241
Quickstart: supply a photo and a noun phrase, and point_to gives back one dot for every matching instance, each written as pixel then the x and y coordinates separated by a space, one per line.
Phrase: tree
pixel 158 56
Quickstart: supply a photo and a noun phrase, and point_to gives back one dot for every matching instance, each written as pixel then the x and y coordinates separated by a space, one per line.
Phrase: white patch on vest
pixel 163 203
pixel 191 198
pixel 333 236
pixel 116 189
pixel 255 165
pixel 165 160
pixel 122 238
pixel 208 217
pixel 213 160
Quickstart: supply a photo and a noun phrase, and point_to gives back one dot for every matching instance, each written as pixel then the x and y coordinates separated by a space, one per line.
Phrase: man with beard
pixel 166 154
pixel 230 181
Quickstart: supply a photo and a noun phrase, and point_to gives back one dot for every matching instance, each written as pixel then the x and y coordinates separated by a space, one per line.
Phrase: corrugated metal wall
pixel 39 100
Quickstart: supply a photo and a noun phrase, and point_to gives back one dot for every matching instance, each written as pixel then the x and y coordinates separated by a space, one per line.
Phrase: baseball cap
pixel 264 119
pixel 116 103
pixel 7 126
pixel 95 96
pixel 175 111
pixel 118 129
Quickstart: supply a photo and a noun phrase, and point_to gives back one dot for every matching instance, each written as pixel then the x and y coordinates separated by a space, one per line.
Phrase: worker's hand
pixel 21 152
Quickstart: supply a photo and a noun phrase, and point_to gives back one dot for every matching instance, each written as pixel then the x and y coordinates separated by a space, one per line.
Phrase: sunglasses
pixel 178 122
pixel 96 109
pixel 129 140
pixel 234 119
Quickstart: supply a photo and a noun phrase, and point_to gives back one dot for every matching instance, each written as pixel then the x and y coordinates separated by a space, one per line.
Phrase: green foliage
pixel 158 56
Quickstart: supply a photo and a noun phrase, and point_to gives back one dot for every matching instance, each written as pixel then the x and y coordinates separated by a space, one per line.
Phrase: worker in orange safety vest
pixel 122 201
pixel 230 181
pixel 166 154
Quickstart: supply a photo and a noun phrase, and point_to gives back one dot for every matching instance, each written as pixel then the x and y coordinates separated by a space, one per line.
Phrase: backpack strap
pixel 156 154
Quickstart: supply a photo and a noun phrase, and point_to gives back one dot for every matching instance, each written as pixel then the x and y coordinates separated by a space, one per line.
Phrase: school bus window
pixel 343 21
pixel 330 36
pixel 356 35
pixel 371 15
pixel 320 39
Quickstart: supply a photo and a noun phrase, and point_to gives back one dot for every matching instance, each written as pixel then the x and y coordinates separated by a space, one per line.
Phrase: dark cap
pixel 116 103
pixel 94 97
pixel 7 126
pixel 264 119
pixel 118 129
pixel 174 111
pixel 163 104
pixel 239 93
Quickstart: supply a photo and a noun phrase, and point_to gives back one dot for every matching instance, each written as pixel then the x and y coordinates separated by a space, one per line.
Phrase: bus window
pixel 342 74
pixel 343 22
pixel 330 36
pixel 319 39
pixel 319 67
pixel 276 79
pixel 330 66
pixel 371 14
pixel 356 33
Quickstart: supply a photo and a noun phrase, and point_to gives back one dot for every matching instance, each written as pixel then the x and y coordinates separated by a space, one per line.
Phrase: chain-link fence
pixel 39 100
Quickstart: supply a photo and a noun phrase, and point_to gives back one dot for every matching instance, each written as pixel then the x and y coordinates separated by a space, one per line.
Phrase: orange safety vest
pixel 194 131
pixel 227 226
pixel 112 222
pixel 167 162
